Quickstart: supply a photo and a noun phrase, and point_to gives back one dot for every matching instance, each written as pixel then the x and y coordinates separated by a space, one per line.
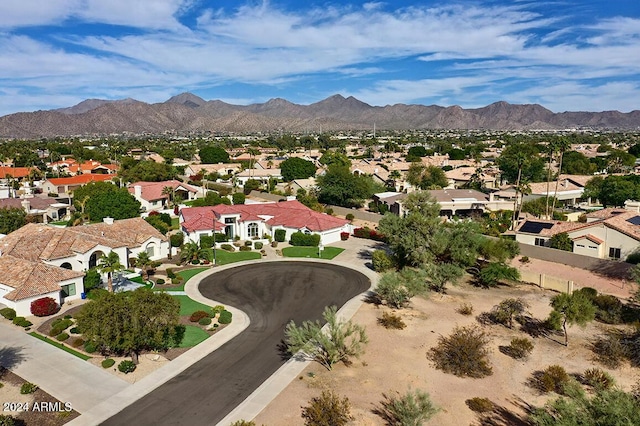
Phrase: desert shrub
pixel 633 258
pixel 62 337
pixel 198 315
pixel 204 321
pixel 170 273
pixel 463 353
pixel 508 310
pixel 274 244
pixel 159 281
pixel 44 307
pixel 349 216
pixel 495 272
pixel 245 248
pixel 22 322
pixel 598 379
pixel 242 422
pixel 381 261
pixel 126 366
pixel 524 259
pixel 520 347
pixel 328 409
pixel 609 309
pixel 553 379
pixel 248 243
pixel 480 405
pixel 225 317
pixel 590 292
pixel 610 350
pixel 280 235
pixel 227 247
pixel 28 388
pixel 107 363
pixel 412 408
pixel 77 342
pixel 304 240
pixel 258 245
pixel 90 347
pixel 7 420
pixel 465 309
pixel 389 320
pixel 8 313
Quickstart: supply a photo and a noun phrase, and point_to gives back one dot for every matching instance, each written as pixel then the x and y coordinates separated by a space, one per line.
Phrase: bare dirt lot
pixel 395 360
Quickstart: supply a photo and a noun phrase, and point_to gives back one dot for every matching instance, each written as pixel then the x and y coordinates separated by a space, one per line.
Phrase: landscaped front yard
pixel 312 252
pixel 224 257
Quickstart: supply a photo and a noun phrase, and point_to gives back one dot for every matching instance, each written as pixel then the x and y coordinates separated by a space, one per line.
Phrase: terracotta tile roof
pixel 36 242
pixel 260 173
pixel 557 227
pixel 39 203
pixel 563 186
pixel 80 179
pixel 29 279
pixel 153 190
pixel 590 237
pixel 605 213
pixel 290 214
pixel 16 172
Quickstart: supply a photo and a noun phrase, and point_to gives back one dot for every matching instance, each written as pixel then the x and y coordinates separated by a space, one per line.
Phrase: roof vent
pixel 108 220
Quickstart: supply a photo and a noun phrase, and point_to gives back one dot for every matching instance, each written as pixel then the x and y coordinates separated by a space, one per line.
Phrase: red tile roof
pixel 153 190
pixel 16 172
pixel 590 237
pixel 289 214
pixel 80 179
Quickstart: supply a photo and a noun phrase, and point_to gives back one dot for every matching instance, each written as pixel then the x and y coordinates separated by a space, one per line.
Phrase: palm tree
pixel 552 147
pixel 144 262
pixel 252 155
pixel 520 159
pixel 563 145
pixel 189 251
pixel 109 264
pixel 170 192
pixel 524 189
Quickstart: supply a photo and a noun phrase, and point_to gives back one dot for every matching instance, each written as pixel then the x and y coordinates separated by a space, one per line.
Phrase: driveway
pixel 271 294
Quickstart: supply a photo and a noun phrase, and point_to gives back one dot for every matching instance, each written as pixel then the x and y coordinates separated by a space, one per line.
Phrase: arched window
pixel 252 230
pixel 66 265
pixel 150 249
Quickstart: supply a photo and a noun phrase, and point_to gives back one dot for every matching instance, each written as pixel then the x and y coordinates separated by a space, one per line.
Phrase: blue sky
pixel 571 55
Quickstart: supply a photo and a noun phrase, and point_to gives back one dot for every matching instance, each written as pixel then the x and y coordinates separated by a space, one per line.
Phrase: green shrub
pixel 90 347
pixel 107 363
pixel 554 321
pixel 242 422
pixel 170 273
pixel 258 245
pixel 126 366
pixel 198 315
pixel 21 322
pixel 28 388
pixel 520 347
pixel 327 409
pixel 381 261
pixel 159 281
pixel 412 408
pixel 204 321
pixel 217 309
pixel 62 337
pixel 508 310
pixel 349 216
pixel 609 309
pixel 480 405
pixel 389 320
pixel 227 247
pixel 245 248
pixel 465 309
pixel 633 258
pixel 91 279
pixel 248 243
pixel 304 240
pixel 610 350
pixel 7 420
pixel 591 293
pixel 280 235
pixel 8 313
pixel 77 342
pixel 225 317
pixel 463 353
pixel 553 379
pixel 598 379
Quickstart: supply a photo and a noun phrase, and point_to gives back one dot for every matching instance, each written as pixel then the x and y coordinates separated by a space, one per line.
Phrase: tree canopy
pixel 338 186
pixel 213 155
pixel 335 158
pixel 297 168
pixel 11 219
pixel 130 322
pixel 575 308
pixel 525 155
pixel 147 171
pixel 426 177
pixel 613 190
pixel 98 200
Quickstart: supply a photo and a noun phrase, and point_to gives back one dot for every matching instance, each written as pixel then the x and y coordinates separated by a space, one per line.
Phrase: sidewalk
pixel 62 375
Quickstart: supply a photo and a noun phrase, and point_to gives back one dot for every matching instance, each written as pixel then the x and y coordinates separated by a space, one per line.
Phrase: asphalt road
pixel 272 294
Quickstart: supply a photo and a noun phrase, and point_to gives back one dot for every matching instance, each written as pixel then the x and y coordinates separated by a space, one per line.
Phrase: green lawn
pixel 192 336
pixel 189 306
pixel 59 345
pixel 223 257
pixel 175 222
pixel 311 252
pixel 59 223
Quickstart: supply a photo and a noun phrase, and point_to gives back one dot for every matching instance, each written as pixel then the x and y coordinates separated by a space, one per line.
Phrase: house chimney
pixel 108 220
pixel 491 197
pixel 26 205
pixel 137 189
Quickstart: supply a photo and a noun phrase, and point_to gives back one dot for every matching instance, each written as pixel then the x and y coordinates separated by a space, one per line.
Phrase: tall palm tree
pixel 252 156
pixel 563 145
pixel 552 147
pixel 109 264
pixel 144 262
pixel 520 159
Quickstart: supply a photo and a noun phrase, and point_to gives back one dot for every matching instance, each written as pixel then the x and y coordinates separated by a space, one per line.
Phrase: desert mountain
pixel 189 113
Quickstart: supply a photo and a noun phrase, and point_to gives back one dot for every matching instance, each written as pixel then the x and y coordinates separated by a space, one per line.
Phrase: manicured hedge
pixel 280 235
pixel 22 322
pixel 198 315
pixel 225 317
pixel 257 245
pixel 8 313
pixel 44 307
pixel 204 321
pixel 306 240
pixel 368 233
pixel 126 366
pixel 107 363
pixel 227 247
pixel 62 337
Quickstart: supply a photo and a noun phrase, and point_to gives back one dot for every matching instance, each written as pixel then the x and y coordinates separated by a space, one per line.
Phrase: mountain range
pixel 187 112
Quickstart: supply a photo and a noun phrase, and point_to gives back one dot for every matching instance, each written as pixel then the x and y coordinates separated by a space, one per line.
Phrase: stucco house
pixel 262 175
pixel 250 221
pixel 65 186
pixel 40 260
pixel 152 195
pixel 611 233
pixel 38 209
